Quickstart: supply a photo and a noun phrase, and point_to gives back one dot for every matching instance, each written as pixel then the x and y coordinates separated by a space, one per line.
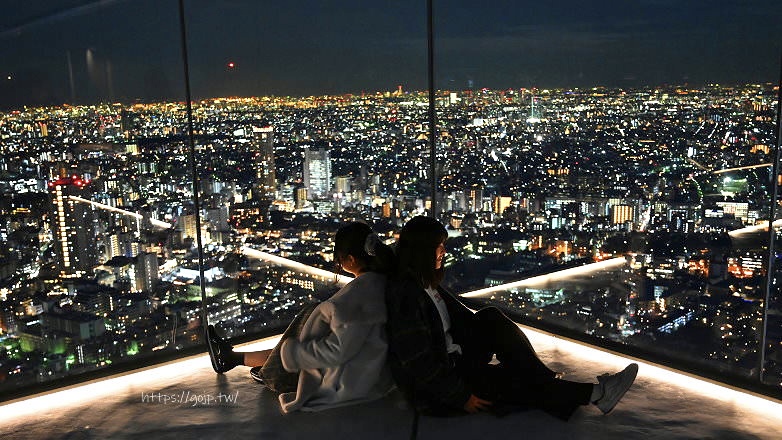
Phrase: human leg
pixel 510 391
pixel 255 358
pixel 501 336
pixel 522 380
pixel 225 358
pixel 271 371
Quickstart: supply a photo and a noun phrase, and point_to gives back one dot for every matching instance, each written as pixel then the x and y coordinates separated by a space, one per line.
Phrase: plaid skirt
pixel 273 374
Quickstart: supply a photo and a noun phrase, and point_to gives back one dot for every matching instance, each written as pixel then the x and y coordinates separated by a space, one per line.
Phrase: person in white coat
pixel 334 353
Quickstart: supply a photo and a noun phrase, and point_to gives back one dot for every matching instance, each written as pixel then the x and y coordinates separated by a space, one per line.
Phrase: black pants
pixel 520 380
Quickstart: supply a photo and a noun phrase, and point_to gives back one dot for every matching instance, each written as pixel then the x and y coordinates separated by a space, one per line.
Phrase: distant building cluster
pixel 99 229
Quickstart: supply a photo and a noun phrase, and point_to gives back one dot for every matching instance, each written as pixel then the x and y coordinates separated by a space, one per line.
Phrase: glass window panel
pixel 307 116
pixel 85 212
pixel 639 136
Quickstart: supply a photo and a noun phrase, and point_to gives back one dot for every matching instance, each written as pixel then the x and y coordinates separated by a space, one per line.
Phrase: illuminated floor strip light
pixel 168 372
pixel 120 385
pixel 753 403
pixel 561 274
pixel 545 340
pixel 112 386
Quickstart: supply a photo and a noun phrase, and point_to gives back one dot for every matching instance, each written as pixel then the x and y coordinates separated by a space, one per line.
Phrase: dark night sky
pixel 130 49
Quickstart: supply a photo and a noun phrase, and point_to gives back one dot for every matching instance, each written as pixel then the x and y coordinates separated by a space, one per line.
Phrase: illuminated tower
pixel 317 173
pixel 263 146
pixel 73 226
pixel 534 113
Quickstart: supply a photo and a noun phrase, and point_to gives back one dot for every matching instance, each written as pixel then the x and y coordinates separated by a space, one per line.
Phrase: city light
pixel 253 253
pixel 546 195
pixel 607 175
pixel 552 277
pixel 153 222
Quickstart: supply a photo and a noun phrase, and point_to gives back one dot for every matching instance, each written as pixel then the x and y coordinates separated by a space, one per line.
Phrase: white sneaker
pixel 614 387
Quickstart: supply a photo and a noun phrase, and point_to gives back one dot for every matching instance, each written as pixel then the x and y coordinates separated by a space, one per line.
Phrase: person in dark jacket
pixel 440 352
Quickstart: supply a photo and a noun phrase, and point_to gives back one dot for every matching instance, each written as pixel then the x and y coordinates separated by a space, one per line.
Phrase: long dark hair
pixel 352 240
pixel 418 241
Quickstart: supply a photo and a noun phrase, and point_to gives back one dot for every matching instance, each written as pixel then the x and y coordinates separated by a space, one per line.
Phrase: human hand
pixel 475 404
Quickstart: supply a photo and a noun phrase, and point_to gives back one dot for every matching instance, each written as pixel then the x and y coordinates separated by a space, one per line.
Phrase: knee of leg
pixel 490 312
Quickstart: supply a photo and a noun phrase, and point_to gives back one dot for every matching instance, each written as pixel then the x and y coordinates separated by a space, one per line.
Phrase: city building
pixel 263 147
pixel 72 224
pixel 317 173
pixel 146 272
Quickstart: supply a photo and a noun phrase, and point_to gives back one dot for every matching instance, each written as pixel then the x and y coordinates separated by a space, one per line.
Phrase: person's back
pixel 354 320
pixel 334 353
pixel 417 348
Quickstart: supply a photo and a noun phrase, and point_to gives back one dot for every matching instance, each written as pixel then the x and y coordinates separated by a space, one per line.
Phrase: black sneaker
pixel 219 351
pixel 255 373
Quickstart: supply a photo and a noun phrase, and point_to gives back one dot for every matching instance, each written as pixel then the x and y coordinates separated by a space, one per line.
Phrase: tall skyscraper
pixel 263 145
pixel 317 173
pixel 146 272
pixel 73 226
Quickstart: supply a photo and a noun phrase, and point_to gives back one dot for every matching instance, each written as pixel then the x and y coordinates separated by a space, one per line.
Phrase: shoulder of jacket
pixel 365 293
pixel 367 281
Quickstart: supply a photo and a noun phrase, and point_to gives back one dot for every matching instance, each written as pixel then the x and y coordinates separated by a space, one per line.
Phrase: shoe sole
pixel 255 373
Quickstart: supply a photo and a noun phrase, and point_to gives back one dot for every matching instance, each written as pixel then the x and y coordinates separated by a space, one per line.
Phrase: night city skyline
pixel 667 183
pixel 568 138
pixel 122 51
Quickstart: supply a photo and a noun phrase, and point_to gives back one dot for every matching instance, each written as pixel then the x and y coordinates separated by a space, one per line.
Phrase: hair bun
pixel 370 244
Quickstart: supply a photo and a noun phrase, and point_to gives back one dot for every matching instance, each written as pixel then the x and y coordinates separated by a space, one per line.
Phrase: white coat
pixel 341 352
